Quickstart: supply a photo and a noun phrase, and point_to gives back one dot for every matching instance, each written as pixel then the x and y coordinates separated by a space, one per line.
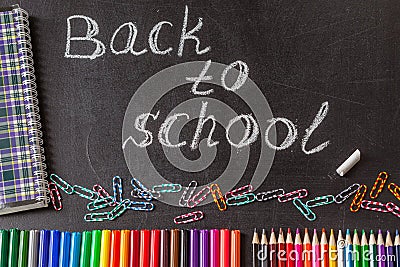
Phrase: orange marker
pixel 115 248
pixel 124 255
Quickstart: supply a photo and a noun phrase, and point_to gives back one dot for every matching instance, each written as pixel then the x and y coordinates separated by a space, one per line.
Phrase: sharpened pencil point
pixel 297 231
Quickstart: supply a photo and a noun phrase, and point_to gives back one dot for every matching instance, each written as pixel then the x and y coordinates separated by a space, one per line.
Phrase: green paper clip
pixel 306 211
pixel 97 217
pixel 320 201
pixel 241 200
pixel 119 209
pixel 85 193
pixel 100 203
pixel 167 188
pixel 63 185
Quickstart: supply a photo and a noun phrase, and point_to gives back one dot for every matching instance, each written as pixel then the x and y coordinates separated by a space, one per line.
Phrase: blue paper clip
pixel 96 217
pixel 100 203
pixel 119 209
pixel 141 189
pixel 85 192
pixel 117 188
pixel 320 201
pixel 241 200
pixel 183 201
pixel 306 211
pixel 167 188
pixel 142 206
pixel 63 185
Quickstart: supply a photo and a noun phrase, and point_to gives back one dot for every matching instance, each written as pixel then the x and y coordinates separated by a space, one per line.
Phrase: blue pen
pixel 75 249
pixel 65 244
pixel 349 250
pixel 44 238
pixel 54 248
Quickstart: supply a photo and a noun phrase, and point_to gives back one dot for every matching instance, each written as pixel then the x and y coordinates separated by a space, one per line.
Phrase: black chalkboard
pixel 300 54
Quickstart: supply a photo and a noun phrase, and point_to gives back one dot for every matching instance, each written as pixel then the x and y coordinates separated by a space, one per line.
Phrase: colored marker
pixel 332 250
pixel 76 239
pixel 273 250
pixel 390 257
pixel 324 249
pixel 194 248
pixel 364 250
pixel 164 240
pixel 44 248
pixel 65 245
pixel 349 250
pixel 256 247
pixel 290 260
pixel 204 254
pixel 373 250
pixel 124 249
pixel 225 247
pixel 184 248
pixel 85 249
pixel 134 248
pixel 316 250
pixel 4 243
pixel 13 248
pixel 155 248
pixel 397 248
pixel 115 248
pixel 298 246
pixel 307 249
pixel 380 248
pixel 214 248
pixel 356 250
pixel 105 248
pixel 95 248
pixel 174 256
pixel 235 249
pixel 54 248
pixel 341 251
pixel 264 248
pixel 23 249
pixel 33 248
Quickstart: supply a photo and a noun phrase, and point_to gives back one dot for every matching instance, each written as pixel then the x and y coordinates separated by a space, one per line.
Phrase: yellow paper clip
pixel 395 190
pixel 358 198
pixel 218 197
pixel 382 177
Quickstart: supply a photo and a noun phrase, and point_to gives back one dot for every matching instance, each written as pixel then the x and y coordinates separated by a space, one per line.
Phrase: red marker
pixel 155 248
pixel 281 250
pixel 134 246
pixel 144 260
pixel 225 247
pixel 290 252
pixel 115 248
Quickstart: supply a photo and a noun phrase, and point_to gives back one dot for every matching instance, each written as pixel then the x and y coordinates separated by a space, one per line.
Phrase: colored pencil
pixel 54 248
pixel 214 248
pixel 124 249
pixel 155 248
pixel 85 249
pixel 235 248
pixel 307 249
pixel 332 250
pixel 225 247
pixel 290 252
pixel 23 249
pixel 356 250
pixel 134 247
pixel 264 248
pixel 316 250
pixel 298 246
pixel 13 248
pixel 324 249
pixel 174 248
pixel 4 243
pixel 397 248
pixel 372 250
pixel 349 250
pixel 364 250
pixel 144 258
pixel 105 248
pixel 380 248
pixel 341 257
pixel 184 242
pixel 273 250
pixel 115 248
pixel 281 249
pixel 194 248
pixel 389 251
pixel 256 247
pixel 65 245
pixel 164 248
pixel 204 254
pixel 33 248
pixel 95 248
pixel 76 240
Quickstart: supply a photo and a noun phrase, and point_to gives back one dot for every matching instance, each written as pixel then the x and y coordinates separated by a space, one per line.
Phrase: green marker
pixel 372 250
pixel 4 241
pixel 13 248
pixel 356 250
pixel 95 248
pixel 364 250
pixel 85 249
pixel 23 249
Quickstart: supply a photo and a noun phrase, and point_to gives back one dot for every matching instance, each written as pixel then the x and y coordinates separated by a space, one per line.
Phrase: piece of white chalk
pixel 349 163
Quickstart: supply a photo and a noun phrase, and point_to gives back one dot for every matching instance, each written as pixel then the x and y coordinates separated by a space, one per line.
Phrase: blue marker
pixel 54 248
pixel 44 238
pixel 75 249
pixel 65 244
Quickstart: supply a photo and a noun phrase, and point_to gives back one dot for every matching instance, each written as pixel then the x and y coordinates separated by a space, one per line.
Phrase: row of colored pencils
pixel 120 248
pixel 347 251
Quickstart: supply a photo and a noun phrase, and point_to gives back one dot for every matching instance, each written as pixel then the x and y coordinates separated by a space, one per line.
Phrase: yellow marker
pixel 332 250
pixel 124 250
pixel 105 248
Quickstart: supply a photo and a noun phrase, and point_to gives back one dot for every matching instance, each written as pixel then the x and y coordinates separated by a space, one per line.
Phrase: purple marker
pixel 194 248
pixel 381 254
pixel 204 249
pixel 214 248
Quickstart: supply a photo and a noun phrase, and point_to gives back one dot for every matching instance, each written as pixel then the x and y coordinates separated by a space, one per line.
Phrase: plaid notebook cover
pixel 17 180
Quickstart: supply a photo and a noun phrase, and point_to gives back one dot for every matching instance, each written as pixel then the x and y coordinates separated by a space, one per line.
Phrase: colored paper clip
pixel 117 189
pixel 345 194
pixel 320 201
pixel 393 208
pixel 239 191
pixel 55 196
pixel 119 209
pixel 395 190
pixel 189 190
pixel 264 196
pixel 199 197
pixel 141 189
pixel 369 205
pixel 100 203
pixel 85 192
pixel 167 188
pixel 141 206
pixel 63 185
pixel 382 177
pixel 147 195
pixel 358 198
pixel 101 191
pixel 301 193
pixel 189 217
pixel 96 217
pixel 241 199
pixel 218 197
pixel 304 209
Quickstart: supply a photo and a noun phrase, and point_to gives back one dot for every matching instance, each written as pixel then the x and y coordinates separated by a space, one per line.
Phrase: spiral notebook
pixel 23 177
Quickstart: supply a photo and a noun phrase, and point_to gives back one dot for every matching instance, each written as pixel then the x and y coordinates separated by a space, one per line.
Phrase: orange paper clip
pixel 382 177
pixel 358 198
pixel 218 197
pixel 395 190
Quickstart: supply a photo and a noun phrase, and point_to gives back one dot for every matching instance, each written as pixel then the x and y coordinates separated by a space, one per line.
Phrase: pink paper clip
pixel 301 193
pixel 393 208
pixel 189 217
pixel 199 197
pixel 102 193
pixel 374 206
pixel 239 191
pixel 55 196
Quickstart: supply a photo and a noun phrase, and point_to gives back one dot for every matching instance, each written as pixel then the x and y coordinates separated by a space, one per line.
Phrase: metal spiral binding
pixel 31 103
